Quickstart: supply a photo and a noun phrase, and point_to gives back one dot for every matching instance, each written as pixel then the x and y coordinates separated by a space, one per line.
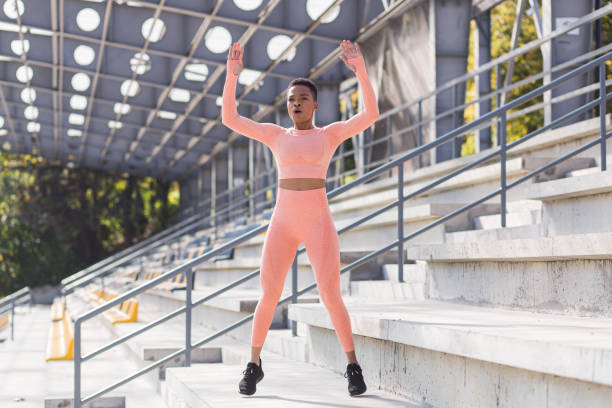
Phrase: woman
pixel 301 213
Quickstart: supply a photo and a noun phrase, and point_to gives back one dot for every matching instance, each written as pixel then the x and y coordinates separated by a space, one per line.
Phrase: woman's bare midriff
pixel 301 183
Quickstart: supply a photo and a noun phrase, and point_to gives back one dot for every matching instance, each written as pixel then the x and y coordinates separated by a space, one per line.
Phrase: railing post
pixel 454 144
pixel 12 319
pixel 188 306
pixel 389 150
pixel 502 142
pixel 420 131
pixel 497 94
pixel 602 114
pixel 77 363
pixel 294 270
pixel 400 222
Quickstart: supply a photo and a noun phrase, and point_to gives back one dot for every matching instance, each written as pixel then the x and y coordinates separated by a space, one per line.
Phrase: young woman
pixel 301 212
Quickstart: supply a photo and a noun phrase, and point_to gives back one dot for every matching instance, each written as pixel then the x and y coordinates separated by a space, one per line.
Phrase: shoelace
pixel 355 371
pixel 249 371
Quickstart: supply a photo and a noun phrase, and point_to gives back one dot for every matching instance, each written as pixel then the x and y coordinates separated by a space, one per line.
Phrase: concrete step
pixel 513 219
pixel 562 247
pixel 285 384
pixel 542 145
pixel 493 234
pixel 387 290
pixel 449 354
pixel 565 274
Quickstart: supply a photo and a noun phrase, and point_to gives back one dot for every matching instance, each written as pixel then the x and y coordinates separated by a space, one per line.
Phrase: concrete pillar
pixel 449 22
pixel 239 164
pixel 564 48
pixel 206 191
pixel 221 180
pixel 482 55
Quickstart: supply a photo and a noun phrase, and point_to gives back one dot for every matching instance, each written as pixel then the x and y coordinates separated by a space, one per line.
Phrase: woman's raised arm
pixel 264 132
pixel 340 131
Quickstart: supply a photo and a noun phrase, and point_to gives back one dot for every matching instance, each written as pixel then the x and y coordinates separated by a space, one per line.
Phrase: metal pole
pixel 502 142
pixel 294 270
pixel 454 144
pixel 602 113
pixel 420 131
pixel 498 97
pixel 12 319
pixel 77 364
pixel 389 150
pixel 188 306
pixel 400 222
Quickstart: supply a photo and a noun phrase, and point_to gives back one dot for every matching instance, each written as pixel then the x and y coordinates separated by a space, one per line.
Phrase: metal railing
pixel 108 266
pixel 498 116
pixel 10 302
pixel 419 126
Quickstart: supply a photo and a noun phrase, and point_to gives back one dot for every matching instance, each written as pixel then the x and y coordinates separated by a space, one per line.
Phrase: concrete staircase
pixel 485 316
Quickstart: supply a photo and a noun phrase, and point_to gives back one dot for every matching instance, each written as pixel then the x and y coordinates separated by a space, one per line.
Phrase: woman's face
pixel 301 104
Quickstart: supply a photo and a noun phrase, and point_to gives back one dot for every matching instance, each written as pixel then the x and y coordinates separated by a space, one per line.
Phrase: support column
pixel 449 36
pixel 482 55
pixel 564 48
pixel 221 181
pixel 239 165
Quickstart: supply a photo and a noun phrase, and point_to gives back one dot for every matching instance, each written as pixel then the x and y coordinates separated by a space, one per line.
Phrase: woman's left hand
pixel 354 60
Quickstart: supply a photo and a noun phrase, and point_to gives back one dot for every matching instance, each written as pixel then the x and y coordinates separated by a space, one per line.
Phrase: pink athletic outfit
pixel 301 215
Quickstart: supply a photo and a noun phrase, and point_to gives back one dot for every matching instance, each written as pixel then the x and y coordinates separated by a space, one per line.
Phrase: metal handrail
pixel 8 304
pixel 499 113
pixel 109 267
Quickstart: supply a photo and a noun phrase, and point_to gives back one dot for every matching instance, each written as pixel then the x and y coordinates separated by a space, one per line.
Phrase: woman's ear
pixel 316 105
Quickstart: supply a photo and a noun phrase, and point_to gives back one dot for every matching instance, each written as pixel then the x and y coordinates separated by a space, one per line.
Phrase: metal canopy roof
pixel 135 86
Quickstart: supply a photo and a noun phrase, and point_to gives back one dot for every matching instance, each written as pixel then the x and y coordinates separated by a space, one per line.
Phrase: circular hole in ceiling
pixel 76 119
pixel 13 8
pixel 84 55
pixel 19 47
pixel 315 8
pixel 155 27
pixel 24 73
pixel 140 63
pixel 121 108
pixel 248 5
pixel 248 76
pixel 28 95
pixel 129 88
pixel 113 124
pixel 88 19
pixel 218 39
pixel 80 81
pixel 78 102
pixel 179 95
pixel 1 121
pixel 277 45
pixel 31 112
pixel 196 72
pixel 33 127
pixel 74 132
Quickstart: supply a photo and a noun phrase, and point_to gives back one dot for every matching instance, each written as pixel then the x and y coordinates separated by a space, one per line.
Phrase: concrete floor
pixel 26 380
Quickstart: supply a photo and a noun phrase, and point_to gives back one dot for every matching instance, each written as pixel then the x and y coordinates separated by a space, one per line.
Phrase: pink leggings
pixel 301 216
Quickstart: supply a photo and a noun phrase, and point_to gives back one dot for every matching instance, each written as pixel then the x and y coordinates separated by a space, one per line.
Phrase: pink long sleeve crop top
pixel 301 153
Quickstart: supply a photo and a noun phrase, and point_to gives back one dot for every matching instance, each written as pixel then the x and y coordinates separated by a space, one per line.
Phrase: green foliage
pixel 56 221
pixel 526 65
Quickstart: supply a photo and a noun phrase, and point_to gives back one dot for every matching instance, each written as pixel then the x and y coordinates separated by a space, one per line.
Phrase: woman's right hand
pixel 234 58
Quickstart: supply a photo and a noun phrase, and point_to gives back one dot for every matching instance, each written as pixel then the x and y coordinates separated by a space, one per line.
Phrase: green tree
pixel 56 221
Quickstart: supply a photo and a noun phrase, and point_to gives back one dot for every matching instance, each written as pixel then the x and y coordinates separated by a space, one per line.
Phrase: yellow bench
pixel 4 319
pixel 61 339
pixel 57 309
pixel 126 313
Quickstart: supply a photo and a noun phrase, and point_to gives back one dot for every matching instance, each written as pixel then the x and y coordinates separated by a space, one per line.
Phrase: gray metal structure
pixel 171 52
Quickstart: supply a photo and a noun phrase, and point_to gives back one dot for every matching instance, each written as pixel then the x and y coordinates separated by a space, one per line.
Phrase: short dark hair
pixel 306 82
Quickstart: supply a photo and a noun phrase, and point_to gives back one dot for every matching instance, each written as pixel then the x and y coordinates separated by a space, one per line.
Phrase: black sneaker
pixel 252 375
pixel 356 384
